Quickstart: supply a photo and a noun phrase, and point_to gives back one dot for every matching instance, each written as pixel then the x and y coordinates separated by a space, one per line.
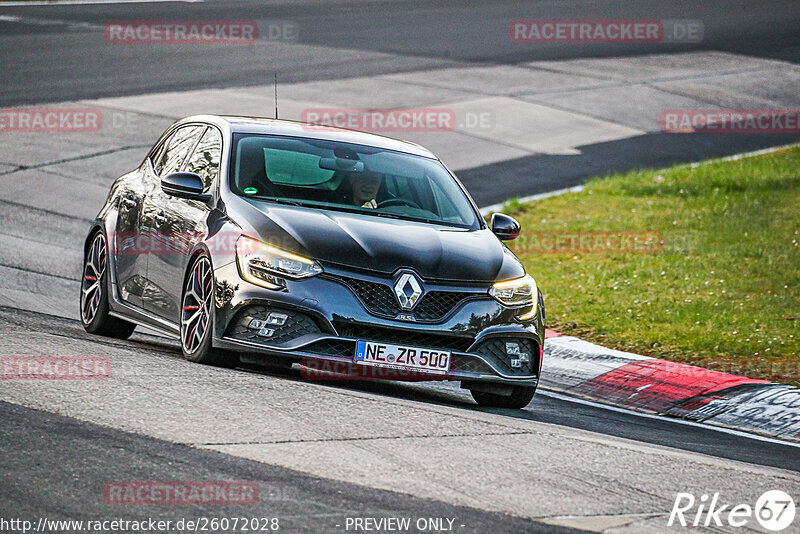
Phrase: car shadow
pixel 441 393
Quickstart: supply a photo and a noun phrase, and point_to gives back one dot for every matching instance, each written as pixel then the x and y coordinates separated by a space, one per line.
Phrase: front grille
pixel 438 304
pixel 379 299
pixel 497 350
pixel 403 337
pixel 297 324
pixel 331 347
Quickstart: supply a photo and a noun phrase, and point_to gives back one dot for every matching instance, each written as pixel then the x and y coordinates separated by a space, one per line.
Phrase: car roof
pixel 261 125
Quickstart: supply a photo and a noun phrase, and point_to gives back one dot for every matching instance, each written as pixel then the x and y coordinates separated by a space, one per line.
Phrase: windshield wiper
pixel 361 211
pixel 356 210
pixel 387 215
pixel 281 201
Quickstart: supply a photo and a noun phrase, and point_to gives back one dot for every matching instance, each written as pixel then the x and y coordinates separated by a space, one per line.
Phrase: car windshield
pixel 347 177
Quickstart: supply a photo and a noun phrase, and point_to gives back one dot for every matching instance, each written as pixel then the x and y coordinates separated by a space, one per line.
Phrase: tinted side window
pixel 206 157
pixel 179 145
pixel 158 150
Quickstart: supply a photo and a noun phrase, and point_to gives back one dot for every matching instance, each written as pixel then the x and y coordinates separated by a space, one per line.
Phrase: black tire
pixel 95 290
pixel 197 317
pixel 520 397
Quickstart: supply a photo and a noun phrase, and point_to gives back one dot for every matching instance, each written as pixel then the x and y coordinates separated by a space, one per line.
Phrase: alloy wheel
pixel 196 311
pixel 93 272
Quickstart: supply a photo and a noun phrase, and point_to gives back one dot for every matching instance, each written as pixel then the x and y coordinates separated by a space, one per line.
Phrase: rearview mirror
pixel 504 227
pixel 184 185
pixel 341 164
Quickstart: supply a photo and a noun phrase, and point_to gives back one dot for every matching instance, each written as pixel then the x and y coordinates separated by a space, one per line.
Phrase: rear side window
pixel 205 159
pixel 158 150
pixel 171 159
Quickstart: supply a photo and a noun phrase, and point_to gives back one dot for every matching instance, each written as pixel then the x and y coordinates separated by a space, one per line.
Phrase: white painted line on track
pixel 743 155
pixel 724 430
pixel 530 198
pixel 496 207
pixel 89 2
pixel 70 24
pixel 539 196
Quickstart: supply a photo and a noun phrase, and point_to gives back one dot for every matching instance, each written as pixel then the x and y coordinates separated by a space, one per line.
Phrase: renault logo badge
pixel 408 290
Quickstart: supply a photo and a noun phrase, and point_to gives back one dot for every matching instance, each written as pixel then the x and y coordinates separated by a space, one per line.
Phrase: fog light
pixel 518 358
pixel 266 332
pixel 276 319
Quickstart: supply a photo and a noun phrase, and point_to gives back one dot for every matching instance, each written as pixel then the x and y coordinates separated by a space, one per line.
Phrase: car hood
pixel 382 244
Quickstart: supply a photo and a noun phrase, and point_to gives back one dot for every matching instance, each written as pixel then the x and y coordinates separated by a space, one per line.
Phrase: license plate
pixel 401 357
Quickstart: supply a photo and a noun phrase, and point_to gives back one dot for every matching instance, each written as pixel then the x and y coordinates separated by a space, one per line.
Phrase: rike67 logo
pixel 774 511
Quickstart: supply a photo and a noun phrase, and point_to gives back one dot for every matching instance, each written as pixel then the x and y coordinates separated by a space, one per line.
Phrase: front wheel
pixel 94 293
pixel 197 317
pixel 520 397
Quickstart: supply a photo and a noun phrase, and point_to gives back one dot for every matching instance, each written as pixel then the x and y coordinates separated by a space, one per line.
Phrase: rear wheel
pixel 197 317
pixel 520 397
pixel 94 293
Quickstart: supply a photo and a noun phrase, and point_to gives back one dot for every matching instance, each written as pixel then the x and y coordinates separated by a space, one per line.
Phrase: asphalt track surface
pixel 302 503
pixel 324 452
pixel 52 44
pixel 55 54
pixel 349 433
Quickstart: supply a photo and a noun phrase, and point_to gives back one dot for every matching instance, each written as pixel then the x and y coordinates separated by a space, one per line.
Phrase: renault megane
pixel 270 241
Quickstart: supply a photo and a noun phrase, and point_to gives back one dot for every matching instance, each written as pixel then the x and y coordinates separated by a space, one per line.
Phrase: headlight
pixel 259 263
pixel 517 292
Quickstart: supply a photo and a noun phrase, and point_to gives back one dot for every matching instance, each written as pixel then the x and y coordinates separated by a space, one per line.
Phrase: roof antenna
pixel 276 95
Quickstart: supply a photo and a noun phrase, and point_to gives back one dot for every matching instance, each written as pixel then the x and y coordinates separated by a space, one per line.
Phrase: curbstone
pixel 651 385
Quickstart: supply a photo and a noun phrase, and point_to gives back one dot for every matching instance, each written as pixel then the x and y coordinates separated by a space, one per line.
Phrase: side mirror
pixel 184 185
pixel 504 227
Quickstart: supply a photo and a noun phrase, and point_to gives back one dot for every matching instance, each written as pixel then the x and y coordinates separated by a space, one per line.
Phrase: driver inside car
pixel 365 186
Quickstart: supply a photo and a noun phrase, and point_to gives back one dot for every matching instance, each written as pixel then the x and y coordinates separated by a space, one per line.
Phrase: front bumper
pixel 326 315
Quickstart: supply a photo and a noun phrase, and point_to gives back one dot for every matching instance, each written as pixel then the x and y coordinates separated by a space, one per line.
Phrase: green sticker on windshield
pixel 250 190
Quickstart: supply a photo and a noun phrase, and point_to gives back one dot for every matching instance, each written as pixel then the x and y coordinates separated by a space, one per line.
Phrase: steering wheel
pixel 397 201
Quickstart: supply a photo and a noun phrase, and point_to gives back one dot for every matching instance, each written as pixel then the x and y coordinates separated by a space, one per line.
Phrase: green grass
pixel 725 287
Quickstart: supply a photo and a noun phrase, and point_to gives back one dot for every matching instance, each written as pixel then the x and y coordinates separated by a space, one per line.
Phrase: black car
pixel 267 241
